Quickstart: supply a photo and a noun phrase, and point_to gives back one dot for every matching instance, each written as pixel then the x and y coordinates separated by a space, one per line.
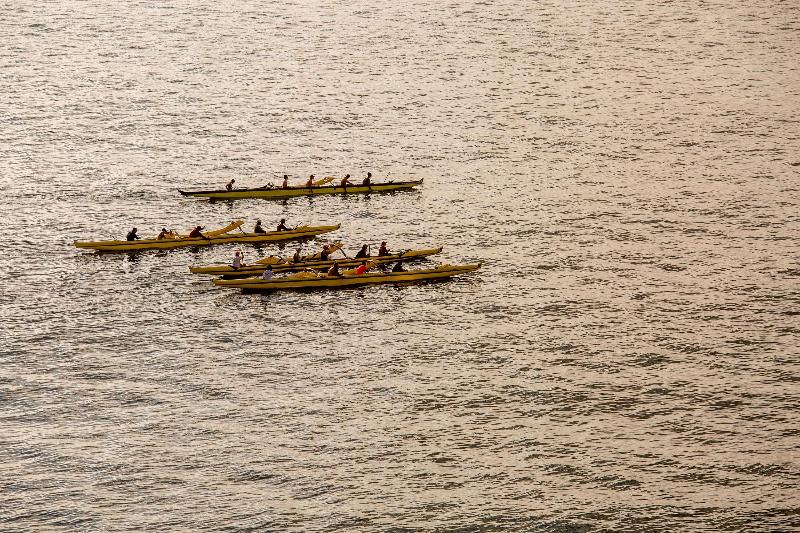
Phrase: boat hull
pixel 241 238
pixel 228 272
pixel 305 281
pixel 278 193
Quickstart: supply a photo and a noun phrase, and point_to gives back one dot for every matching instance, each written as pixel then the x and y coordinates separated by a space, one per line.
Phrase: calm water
pixel 626 360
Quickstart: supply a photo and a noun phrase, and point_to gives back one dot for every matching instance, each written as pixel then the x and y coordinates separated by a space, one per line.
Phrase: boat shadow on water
pixel 397 286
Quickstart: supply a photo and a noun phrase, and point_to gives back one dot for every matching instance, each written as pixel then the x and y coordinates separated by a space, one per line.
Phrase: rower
pixel 398 267
pixel 383 250
pixel 229 186
pixel 282 225
pixel 163 235
pixel 238 260
pixel 367 180
pixel 362 252
pixel 325 253
pixel 132 236
pixel 268 273
pixel 345 181
pixel 333 271
pixel 310 182
pixel 197 232
pixel 362 268
pixel 285 182
pixel 258 228
pixel 296 257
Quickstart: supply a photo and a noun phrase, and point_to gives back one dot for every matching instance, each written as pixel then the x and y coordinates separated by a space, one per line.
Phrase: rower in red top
pixel 362 268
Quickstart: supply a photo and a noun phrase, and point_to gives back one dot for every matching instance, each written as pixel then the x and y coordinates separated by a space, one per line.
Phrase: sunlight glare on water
pixel 625 360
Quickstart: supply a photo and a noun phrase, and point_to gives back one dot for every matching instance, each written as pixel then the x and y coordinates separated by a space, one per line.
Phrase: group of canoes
pixel 314 270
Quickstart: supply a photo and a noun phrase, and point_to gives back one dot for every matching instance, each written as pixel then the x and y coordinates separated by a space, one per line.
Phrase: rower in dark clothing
pixel 258 228
pixel 197 232
pixel 296 257
pixel 367 181
pixel 132 236
pixel 325 253
pixel 362 252
pixel 282 225
pixel 229 186
pixel 333 271
pixel 398 267
pixel 383 249
pixel 345 181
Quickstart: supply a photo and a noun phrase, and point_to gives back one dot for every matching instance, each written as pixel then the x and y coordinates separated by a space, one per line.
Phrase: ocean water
pixel 626 359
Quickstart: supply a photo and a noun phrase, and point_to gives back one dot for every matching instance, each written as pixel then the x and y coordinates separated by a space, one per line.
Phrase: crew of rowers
pixel 197 232
pixel 281 226
pixel 310 182
pixel 324 255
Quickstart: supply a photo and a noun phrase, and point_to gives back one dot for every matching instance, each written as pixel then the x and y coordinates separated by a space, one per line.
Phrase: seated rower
pixel 368 180
pixel 238 260
pixel 132 236
pixel 296 257
pixel 398 267
pixel 285 184
pixel 282 225
pixel 310 181
pixel 268 273
pixel 383 250
pixel 325 253
pixel 333 271
pixel 197 232
pixel 229 186
pixel 362 268
pixel 164 234
pixel 363 252
pixel 345 181
pixel 258 228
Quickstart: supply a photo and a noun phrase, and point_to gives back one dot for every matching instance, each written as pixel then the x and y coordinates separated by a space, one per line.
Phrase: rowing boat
pixel 220 236
pixel 279 265
pixel 312 280
pixel 280 193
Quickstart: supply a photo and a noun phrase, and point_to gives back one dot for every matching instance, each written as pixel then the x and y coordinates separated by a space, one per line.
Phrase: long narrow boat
pixel 312 280
pixel 278 193
pixel 278 265
pixel 220 236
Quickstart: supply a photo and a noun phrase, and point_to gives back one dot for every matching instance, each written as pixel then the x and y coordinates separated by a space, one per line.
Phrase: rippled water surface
pixel 626 359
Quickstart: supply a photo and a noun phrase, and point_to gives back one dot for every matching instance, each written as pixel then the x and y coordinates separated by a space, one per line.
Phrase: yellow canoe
pixel 220 236
pixel 311 280
pixel 228 272
pixel 278 193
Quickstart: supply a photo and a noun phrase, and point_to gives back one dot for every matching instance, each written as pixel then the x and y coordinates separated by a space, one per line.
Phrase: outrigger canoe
pixel 312 280
pixel 278 265
pixel 278 193
pixel 220 236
